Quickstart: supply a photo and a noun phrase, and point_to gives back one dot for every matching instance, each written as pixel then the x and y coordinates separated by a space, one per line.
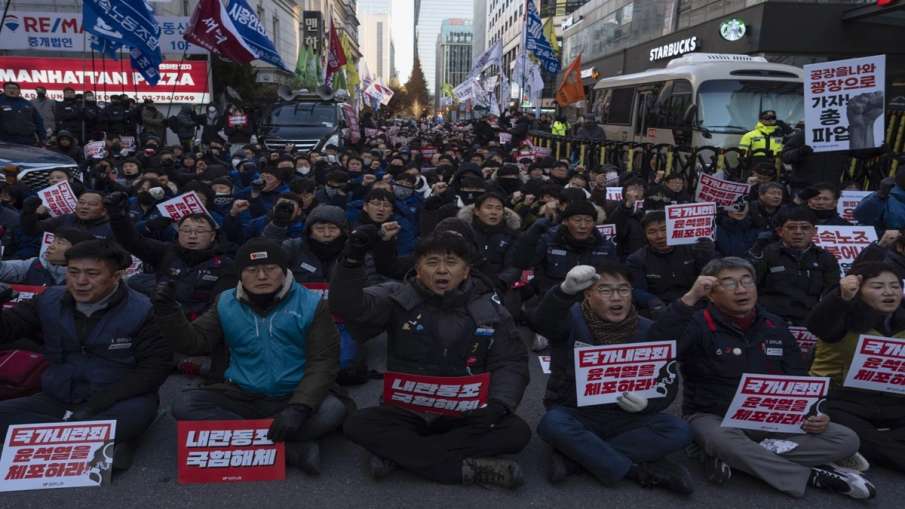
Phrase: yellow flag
pixel 550 35
pixel 351 67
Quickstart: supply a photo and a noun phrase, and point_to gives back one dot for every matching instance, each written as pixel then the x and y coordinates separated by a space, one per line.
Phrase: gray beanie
pixel 327 214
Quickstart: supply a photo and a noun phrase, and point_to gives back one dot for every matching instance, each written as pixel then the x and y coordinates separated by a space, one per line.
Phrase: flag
pixel 211 28
pixel 251 31
pixel 351 67
pixel 537 44
pixel 491 56
pixel 128 23
pixel 335 56
pixel 571 90
pixel 550 35
pixel 302 66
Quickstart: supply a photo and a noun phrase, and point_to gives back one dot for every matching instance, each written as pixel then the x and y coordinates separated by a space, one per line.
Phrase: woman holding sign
pixel 866 302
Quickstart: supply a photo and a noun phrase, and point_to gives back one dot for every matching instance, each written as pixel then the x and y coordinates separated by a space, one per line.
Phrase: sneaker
pixel 381 467
pixel 716 471
pixel 304 455
pixel 850 484
pixel 540 343
pixel 560 467
pixel 855 462
pixel 663 474
pixel 492 472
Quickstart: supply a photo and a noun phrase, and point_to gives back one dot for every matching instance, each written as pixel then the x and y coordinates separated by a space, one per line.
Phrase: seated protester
pixel 717 345
pixel 663 273
pixel 223 196
pixel 496 229
pixel 305 189
pixel 448 304
pixel 285 221
pixel 793 272
pixel 627 218
pixel 889 249
pixel 537 201
pixel 867 302
pixel 463 191
pixel 884 209
pixel 89 216
pixel 285 371
pixel 313 257
pixel 264 192
pixel 507 179
pixel 672 190
pixel 822 199
pixel 48 269
pixel 766 207
pixel 735 230
pixel 196 262
pixel 62 175
pixel 407 208
pixel 631 438
pixel 335 190
pixel 86 379
pixel 381 206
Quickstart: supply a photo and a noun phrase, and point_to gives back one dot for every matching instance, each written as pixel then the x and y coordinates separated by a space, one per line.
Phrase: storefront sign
pixel 183 82
pixel 603 373
pixel 878 365
pixel 312 30
pixel 775 403
pixel 436 394
pixel 674 49
pixel 228 451
pixel 733 29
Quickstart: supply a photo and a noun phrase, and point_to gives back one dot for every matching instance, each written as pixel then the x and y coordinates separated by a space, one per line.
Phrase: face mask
pixel 402 192
pixel 303 170
pixel 331 158
pixel 223 199
pixel 468 198
pixel 236 161
pixel 41 94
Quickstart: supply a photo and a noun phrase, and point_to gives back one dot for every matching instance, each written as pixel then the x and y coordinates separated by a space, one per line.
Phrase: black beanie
pixel 580 208
pixel 261 251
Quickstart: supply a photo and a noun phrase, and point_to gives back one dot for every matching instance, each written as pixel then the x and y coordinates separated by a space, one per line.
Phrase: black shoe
pixel 716 470
pixel 381 467
pixel 848 483
pixel 304 455
pixel 123 454
pixel 663 474
pixel 492 472
pixel 560 467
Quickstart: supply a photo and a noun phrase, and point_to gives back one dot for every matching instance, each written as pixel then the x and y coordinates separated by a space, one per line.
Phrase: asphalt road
pixel 344 482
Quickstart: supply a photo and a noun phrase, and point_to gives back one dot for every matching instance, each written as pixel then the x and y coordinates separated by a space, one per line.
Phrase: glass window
pixel 617 106
pixel 304 114
pixel 732 106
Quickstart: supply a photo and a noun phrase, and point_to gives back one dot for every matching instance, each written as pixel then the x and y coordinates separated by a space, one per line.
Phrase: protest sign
pixel 878 365
pixel 57 455
pixel 505 138
pixel 603 373
pixel 544 361
pixel 775 403
pixel 58 199
pixel 845 242
pixel 613 194
pixel 95 150
pixel 686 223
pixel 806 339
pixel 183 205
pixel 228 451
pixel 435 394
pixel 46 241
pixel 608 231
pixel 844 104
pixel 23 293
pixel 848 202
pixel 524 279
pixel 719 191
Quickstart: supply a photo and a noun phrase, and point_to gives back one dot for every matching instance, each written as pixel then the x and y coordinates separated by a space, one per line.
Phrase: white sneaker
pixel 855 462
pixel 540 343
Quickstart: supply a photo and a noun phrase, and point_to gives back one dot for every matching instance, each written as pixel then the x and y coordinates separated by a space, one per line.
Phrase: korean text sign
pixel 844 104
pixel 687 223
pixel 603 373
pixel 228 451
pixel 776 403
pixel 845 242
pixel 58 198
pixel 719 191
pixel 183 205
pixel 848 202
pixel 436 394
pixel 878 365
pixel 806 339
pixel 57 455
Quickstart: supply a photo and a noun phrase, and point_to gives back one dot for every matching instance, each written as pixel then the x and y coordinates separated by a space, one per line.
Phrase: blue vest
pixel 78 368
pixel 38 275
pixel 267 353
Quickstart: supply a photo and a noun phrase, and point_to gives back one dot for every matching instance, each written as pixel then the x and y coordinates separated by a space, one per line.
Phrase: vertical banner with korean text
pixel 776 403
pixel 688 222
pixel 436 394
pixel 878 365
pixel 845 242
pixel 603 373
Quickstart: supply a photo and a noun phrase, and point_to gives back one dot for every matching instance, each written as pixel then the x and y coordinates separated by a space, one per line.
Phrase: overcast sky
pixel 402 14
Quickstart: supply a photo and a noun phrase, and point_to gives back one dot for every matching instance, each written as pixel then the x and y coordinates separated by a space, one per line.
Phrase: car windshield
pixel 732 106
pixel 304 114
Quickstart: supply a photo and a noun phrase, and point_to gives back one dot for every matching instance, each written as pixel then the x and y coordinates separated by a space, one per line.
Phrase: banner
pixel 379 93
pixel 536 43
pixel 878 365
pixel 491 56
pixel 130 24
pixel 186 82
pixel 57 455
pixel 845 242
pixel 228 451
pixel 544 361
pixel 806 339
pixel 775 403
pixel 686 223
pixel 849 200
pixel 59 199
pixel 435 394
pixel 63 32
pixel 183 205
pixel 250 29
pixel 336 58
pixel 23 293
pixel 844 104
pixel 722 192
pixel 603 373
pixel 212 28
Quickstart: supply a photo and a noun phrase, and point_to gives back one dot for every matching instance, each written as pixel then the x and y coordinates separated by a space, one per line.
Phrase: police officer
pixel 20 121
pixel 560 127
pixel 765 140
pixel 68 115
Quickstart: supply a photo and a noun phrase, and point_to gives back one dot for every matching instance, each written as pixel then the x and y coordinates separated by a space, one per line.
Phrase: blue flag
pixel 536 43
pixel 251 31
pixel 117 23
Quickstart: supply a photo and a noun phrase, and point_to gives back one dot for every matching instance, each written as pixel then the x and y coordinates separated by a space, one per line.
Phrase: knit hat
pixel 327 214
pixel 457 225
pixel 580 208
pixel 73 235
pixel 261 251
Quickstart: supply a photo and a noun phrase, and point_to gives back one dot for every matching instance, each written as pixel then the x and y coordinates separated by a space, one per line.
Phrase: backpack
pixel 20 373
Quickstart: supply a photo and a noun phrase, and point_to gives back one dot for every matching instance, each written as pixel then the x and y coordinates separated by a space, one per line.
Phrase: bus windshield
pixel 732 106
pixel 304 114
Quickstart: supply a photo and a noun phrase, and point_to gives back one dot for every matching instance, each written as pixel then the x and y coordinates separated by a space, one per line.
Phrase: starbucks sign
pixel 733 29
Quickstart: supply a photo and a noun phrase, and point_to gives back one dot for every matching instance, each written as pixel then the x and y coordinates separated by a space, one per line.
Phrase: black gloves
pixel 360 242
pixel 282 214
pixel 7 293
pixel 886 186
pixel 703 246
pixel 30 205
pixel 164 298
pixel 763 240
pixel 488 415
pixel 158 223
pixel 116 204
pixel 288 422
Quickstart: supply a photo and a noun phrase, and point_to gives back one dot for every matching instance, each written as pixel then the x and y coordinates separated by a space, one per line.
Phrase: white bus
pixel 701 99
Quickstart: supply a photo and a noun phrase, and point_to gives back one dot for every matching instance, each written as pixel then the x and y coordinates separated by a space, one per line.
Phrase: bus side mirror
pixel 690 113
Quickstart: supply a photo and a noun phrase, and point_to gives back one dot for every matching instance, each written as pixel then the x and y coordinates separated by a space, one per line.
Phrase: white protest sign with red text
pixel 228 451
pixel 183 205
pixel 436 394
pixel 614 194
pixel 603 373
pixel 57 455
pixel 686 223
pixel 845 242
pixel 806 339
pixel 59 199
pixel 878 365
pixel 46 241
pixel 23 293
pixel 722 192
pixel 848 202
pixel 776 403
pixel 607 230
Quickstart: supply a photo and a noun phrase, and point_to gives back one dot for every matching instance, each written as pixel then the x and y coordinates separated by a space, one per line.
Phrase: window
pixel 670 107
pixel 617 106
pixel 276 30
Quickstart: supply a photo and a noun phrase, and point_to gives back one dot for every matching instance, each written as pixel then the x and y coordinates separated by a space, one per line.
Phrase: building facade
pixel 479 28
pixel 430 15
pixel 377 45
pixel 454 54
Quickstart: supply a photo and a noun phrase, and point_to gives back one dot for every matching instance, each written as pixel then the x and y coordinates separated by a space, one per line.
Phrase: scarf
pixel 610 333
pixel 326 252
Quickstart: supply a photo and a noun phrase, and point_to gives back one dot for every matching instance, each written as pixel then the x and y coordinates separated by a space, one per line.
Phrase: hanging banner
pixel 878 365
pixel 845 242
pixel 603 373
pixel 722 192
pixel 849 200
pixel 436 394
pixel 775 403
pixel 844 104
pixel 686 223
pixel 186 82
pixel 228 451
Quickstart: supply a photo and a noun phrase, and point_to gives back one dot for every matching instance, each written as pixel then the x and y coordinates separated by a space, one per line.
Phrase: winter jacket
pixel 660 278
pixel 762 139
pixel 553 254
pixel 20 121
pixel 790 283
pixel 46 108
pixel 733 237
pixel 32 271
pixel 496 245
pixel 883 214
pixel 153 123
pixel 32 225
pixel 68 116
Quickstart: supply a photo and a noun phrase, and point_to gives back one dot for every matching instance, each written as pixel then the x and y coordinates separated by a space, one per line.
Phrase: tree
pixel 417 98
pixel 398 103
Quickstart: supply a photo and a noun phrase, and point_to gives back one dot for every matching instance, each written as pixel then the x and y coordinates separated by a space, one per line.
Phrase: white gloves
pixel 578 279
pixel 632 402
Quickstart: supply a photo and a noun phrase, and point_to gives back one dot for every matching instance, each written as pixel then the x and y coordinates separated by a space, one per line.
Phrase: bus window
pixel 647 107
pixel 617 106
pixel 678 104
pixel 732 106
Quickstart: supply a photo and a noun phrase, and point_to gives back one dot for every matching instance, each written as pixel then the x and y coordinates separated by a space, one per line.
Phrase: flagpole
pixel 521 88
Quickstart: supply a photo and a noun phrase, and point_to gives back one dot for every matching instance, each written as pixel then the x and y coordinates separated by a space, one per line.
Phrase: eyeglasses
pixel 732 284
pixel 608 291
pixel 190 231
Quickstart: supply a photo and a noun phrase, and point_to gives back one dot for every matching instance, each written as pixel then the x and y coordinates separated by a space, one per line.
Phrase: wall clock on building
pixel 733 29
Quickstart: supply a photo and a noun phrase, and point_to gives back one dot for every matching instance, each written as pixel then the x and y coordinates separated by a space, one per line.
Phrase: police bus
pixel 700 99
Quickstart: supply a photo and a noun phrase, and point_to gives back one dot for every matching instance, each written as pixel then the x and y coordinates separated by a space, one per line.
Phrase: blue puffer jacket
pixel 888 214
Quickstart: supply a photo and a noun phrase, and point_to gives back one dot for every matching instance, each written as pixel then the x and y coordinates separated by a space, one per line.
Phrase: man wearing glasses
pixel 631 438
pixel 733 336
